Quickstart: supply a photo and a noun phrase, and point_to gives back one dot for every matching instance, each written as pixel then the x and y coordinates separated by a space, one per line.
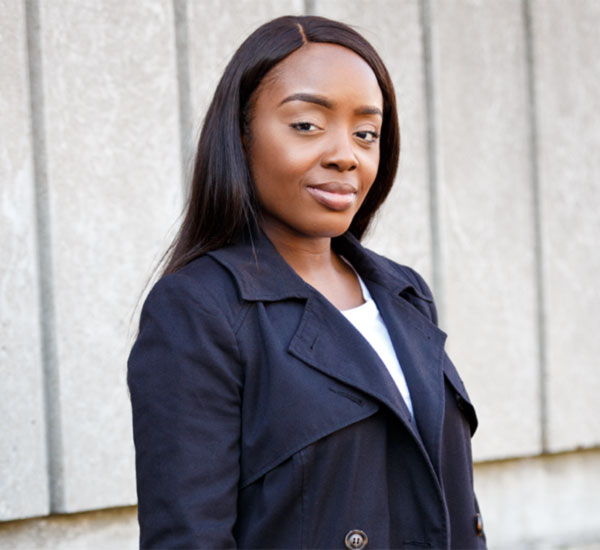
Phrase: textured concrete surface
pixel 114 184
pixel 106 530
pixel 402 229
pixel 541 503
pixel 487 207
pixel 567 68
pixel 23 481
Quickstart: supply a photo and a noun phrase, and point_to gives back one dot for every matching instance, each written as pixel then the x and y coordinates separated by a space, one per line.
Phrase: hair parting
pixel 302 34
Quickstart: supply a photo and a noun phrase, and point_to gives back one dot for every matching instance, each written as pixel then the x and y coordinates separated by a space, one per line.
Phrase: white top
pixel 368 321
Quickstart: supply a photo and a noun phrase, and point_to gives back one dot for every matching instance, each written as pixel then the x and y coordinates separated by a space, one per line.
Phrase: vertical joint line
pixel 537 221
pixel 431 137
pixel 310 7
pixel 180 17
pixel 50 367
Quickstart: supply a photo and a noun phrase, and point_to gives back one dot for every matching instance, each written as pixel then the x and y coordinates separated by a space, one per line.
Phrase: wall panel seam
pixel 540 293
pixel 182 53
pixel 50 364
pixel 425 9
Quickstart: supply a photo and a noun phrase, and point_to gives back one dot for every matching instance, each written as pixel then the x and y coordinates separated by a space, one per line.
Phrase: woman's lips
pixel 335 196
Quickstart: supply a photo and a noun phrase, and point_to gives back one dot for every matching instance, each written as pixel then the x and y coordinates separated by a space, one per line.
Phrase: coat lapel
pixel 419 346
pixel 326 341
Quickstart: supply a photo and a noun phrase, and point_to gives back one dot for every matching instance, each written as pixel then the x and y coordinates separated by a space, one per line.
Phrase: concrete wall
pixel 496 204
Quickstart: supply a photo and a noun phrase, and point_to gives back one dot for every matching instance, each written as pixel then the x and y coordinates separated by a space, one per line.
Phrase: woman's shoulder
pixel 202 285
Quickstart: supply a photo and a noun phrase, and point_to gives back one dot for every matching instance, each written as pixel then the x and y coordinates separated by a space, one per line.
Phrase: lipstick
pixel 335 196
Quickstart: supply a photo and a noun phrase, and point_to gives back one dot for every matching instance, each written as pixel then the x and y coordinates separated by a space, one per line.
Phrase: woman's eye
pixel 367 135
pixel 304 126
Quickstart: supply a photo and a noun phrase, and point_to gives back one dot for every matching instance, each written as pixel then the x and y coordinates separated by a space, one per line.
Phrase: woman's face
pixel 313 144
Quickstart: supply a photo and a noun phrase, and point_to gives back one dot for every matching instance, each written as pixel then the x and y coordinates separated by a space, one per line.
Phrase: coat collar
pixel 262 274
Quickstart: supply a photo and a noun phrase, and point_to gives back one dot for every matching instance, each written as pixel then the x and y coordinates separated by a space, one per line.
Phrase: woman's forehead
pixel 323 69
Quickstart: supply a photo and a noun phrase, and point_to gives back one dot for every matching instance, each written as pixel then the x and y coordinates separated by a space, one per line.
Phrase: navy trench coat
pixel 263 419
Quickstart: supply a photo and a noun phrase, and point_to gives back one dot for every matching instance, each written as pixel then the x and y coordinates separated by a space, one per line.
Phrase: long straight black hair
pixel 222 202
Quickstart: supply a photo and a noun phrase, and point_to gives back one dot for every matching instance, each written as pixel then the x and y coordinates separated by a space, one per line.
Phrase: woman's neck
pixel 306 255
pixel 317 264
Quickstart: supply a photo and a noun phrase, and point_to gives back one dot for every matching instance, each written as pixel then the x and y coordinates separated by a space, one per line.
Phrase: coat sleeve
pixel 185 378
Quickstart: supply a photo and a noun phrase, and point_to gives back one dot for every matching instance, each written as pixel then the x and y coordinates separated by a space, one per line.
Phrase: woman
pixel 289 387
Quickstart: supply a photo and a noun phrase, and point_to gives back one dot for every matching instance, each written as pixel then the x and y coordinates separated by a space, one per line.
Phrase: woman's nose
pixel 340 154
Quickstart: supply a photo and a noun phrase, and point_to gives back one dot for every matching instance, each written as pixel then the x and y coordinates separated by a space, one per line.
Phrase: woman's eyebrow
pixel 368 110
pixel 310 98
pixel 324 102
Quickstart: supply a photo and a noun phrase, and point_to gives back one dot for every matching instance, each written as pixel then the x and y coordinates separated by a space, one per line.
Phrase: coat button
pixel 356 540
pixel 478 525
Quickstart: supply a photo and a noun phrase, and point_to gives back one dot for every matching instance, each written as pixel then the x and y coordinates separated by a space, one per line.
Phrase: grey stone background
pixel 497 204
